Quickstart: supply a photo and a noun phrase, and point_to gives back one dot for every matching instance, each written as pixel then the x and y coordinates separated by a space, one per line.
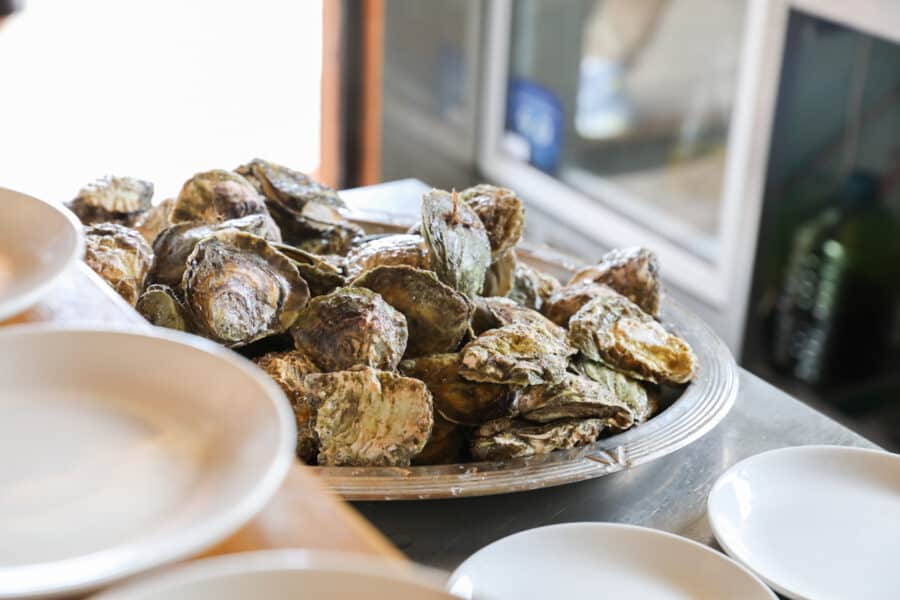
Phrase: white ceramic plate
pixel 38 241
pixel 593 560
pixel 286 575
pixel 121 451
pixel 815 522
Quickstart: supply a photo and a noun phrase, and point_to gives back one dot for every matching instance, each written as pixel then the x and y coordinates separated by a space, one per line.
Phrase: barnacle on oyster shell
pixel 501 212
pixel 399 249
pixel 120 255
pixel 633 272
pixel 513 438
pixel 112 200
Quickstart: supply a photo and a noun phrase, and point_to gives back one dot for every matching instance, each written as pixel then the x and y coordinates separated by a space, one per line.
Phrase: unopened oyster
pixel 513 438
pixel 155 219
pixel 457 241
pixel 491 313
pixel 614 330
pixel 445 446
pixel 174 244
pixel 633 272
pixel 498 281
pixel 112 200
pixel 319 228
pixel 368 417
pixel 437 316
pixel 501 212
pixel 399 249
pixel 287 187
pixel 240 289
pixel 161 305
pixel 517 354
pixel 456 399
pixel 349 327
pixel 629 391
pixel 567 300
pixel 531 287
pixel 322 275
pixel 120 256
pixel 574 396
pixel 216 196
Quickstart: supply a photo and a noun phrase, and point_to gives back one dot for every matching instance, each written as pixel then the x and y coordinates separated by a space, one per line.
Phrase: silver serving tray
pixel 699 408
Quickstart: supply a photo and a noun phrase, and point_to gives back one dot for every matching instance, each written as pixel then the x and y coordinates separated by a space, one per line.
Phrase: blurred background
pixel 753 144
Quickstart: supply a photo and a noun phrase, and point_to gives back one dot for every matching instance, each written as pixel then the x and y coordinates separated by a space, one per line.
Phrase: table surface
pixel 668 494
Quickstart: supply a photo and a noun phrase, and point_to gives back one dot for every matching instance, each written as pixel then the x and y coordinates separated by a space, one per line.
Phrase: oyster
pixel 629 391
pixel 155 219
pixel 456 399
pixel 288 369
pixel 614 330
pixel 399 249
pixel 437 316
pixel 239 289
pixel 491 313
pixel 120 256
pixel 112 200
pixel 498 280
pixel 445 446
pixel 574 396
pixel 160 305
pixel 368 417
pixel 517 354
pixel 633 272
pixel 501 212
pixel 322 275
pixel 531 287
pixel 457 241
pixel 286 187
pixel 174 244
pixel 351 326
pixel 216 196
pixel 513 438
pixel 566 301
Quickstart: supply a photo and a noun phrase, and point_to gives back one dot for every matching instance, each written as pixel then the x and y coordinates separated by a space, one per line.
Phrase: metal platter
pixel 695 411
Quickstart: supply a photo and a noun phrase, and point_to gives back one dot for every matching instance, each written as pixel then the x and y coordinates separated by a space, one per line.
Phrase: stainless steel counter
pixel 668 494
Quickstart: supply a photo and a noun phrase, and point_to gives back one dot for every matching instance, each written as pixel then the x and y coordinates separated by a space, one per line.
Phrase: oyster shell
pixel 216 196
pixel 368 417
pixel 633 272
pixel 501 212
pixel 112 200
pixel 174 244
pixel 498 280
pixel 154 220
pixel 567 300
pixel 399 249
pixel 445 446
pixel 120 256
pixel 574 396
pixel 512 438
pixel 456 399
pixel 351 326
pixel 288 370
pixel 239 289
pixel 629 391
pixel 614 330
pixel 517 354
pixel 531 287
pixel 160 305
pixel 322 275
pixel 457 241
pixel 287 187
pixel 437 316
pixel 493 312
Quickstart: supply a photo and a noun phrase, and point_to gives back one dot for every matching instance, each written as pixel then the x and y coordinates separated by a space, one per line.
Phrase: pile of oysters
pixel 428 347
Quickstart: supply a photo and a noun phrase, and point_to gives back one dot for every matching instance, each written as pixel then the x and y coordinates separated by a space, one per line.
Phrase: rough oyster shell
pixel 174 244
pixel 284 186
pixel 152 221
pixel 239 289
pixel 498 281
pixel 367 417
pixel 501 212
pixel 112 200
pixel 216 196
pixel 567 300
pixel 456 399
pixel 632 393
pixel 513 438
pixel 399 249
pixel 351 326
pixel 457 241
pixel 161 305
pixel 633 272
pixel 445 446
pixel 614 330
pixel 322 275
pixel 531 287
pixel 437 316
pixel 494 312
pixel 120 256
pixel 574 396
